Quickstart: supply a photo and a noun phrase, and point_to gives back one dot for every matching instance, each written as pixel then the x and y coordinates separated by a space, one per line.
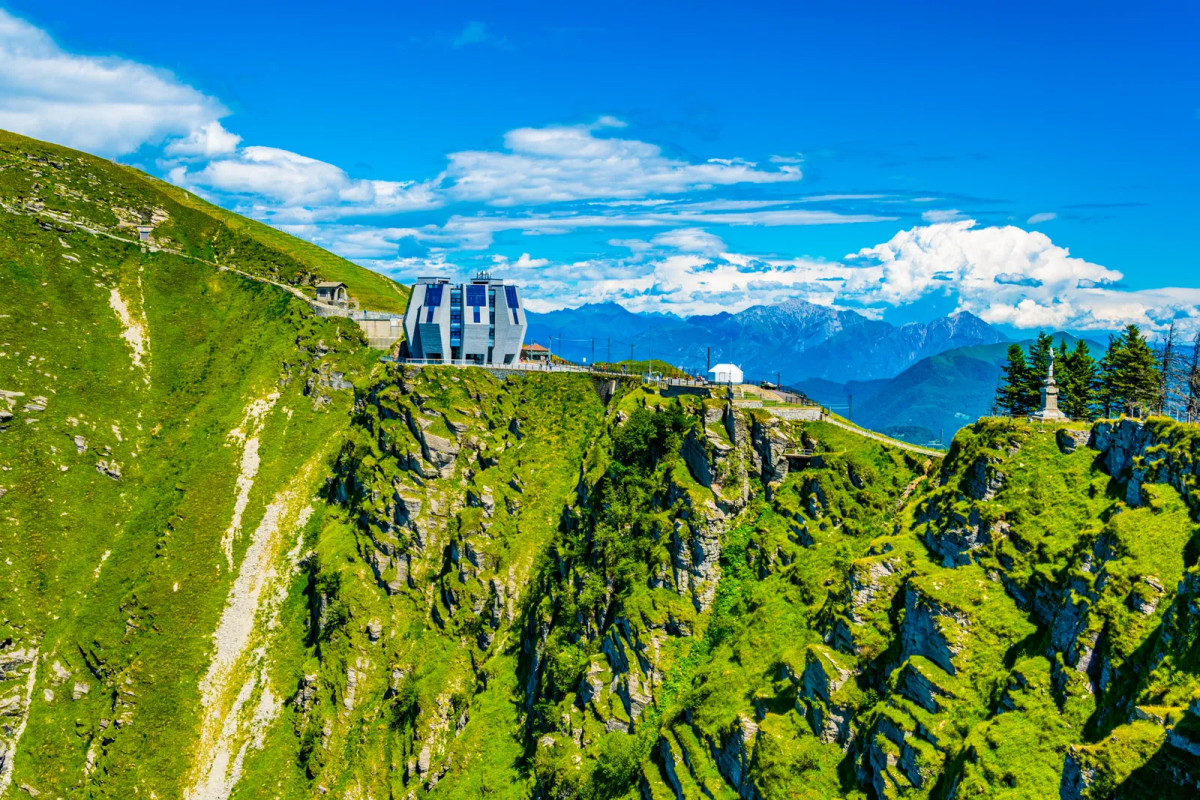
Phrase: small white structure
pixel 726 373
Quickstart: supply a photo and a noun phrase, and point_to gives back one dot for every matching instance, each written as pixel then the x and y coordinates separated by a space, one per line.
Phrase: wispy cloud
pixel 690 240
pixel 562 163
pixel 478 232
pixel 476 33
pixel 1044 216
pixel 539 166
pixel 942 215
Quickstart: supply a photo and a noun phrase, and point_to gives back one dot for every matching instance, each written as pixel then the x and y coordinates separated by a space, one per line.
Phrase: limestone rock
pixel 769 448
pixel 1071 440
pixel 923 631
pixel 111 469
pixel 1077 776
pixel 697 459
pixel 982 480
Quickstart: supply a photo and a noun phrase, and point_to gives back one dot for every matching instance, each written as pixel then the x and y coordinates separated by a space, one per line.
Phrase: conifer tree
pixel 1011 397
pixel 1079 381
pixel 1131 377
pixel 1039 365
pixel 1106 397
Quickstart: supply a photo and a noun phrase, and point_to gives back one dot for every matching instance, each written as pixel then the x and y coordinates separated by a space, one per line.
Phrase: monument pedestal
pixel 1049 411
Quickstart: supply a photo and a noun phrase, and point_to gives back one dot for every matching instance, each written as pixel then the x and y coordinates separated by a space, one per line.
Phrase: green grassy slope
pixel 873 630
pixel 56 184
pixel 121 484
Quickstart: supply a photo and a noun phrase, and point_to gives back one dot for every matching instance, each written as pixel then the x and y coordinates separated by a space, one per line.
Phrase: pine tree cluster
pixel 1131 378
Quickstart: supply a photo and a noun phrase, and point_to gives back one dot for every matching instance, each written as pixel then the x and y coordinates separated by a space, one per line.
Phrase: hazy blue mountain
pixel 573 329
pixel 792 341
pixel 934 397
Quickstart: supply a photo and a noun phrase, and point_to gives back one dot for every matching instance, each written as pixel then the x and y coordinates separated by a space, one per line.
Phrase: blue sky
pixel 1033 163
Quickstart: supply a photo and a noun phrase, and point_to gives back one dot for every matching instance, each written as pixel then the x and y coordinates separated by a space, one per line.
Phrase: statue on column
pixel 1049 410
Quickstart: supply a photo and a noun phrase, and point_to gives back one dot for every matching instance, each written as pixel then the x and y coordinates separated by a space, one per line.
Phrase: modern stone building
pixel 481 322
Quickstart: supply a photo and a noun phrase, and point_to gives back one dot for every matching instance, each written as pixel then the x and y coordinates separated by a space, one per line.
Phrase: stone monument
pixel 1049 410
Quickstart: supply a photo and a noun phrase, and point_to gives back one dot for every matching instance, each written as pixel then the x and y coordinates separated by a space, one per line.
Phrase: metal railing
pixel 546 366
pixel 787 395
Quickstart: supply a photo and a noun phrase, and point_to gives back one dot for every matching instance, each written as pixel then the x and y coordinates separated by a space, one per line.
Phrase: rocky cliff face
pixel 239 557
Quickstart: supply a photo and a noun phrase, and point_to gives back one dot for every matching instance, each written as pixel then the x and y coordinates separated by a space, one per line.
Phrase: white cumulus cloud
pixel 1008 275
pixel 208 141
pixel 102 104
pixel 288 187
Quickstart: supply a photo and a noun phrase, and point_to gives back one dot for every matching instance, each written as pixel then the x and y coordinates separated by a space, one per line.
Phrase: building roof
pixel 331 285
pixel 726 368
pixel 535 347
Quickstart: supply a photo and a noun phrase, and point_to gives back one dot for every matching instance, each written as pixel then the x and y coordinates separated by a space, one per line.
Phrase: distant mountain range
pixel 918 381
pixel 794 341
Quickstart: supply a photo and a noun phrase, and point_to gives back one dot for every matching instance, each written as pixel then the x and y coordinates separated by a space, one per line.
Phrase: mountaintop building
pixel 480 322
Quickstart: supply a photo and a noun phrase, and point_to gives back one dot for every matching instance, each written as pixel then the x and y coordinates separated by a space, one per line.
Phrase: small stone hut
pixel 333 292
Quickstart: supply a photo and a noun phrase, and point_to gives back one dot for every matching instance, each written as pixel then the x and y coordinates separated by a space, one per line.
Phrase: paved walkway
pixel 879 437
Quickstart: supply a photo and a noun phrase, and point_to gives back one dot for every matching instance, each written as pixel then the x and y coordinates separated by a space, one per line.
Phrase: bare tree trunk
pixel 1167 357
pixel 1193 382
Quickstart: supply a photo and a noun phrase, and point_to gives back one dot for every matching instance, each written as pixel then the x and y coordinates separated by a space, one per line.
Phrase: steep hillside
pixel 71 191
pixel 242 558
pixel 164 431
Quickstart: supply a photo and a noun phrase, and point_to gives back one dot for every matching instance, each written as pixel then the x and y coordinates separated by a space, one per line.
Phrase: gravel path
pixel 879 437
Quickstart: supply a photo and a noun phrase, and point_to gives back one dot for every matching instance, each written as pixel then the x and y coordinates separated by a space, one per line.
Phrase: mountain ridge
pixel 796 339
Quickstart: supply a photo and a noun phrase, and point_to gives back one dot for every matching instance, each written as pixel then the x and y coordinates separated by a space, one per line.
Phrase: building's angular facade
pixel 481 322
